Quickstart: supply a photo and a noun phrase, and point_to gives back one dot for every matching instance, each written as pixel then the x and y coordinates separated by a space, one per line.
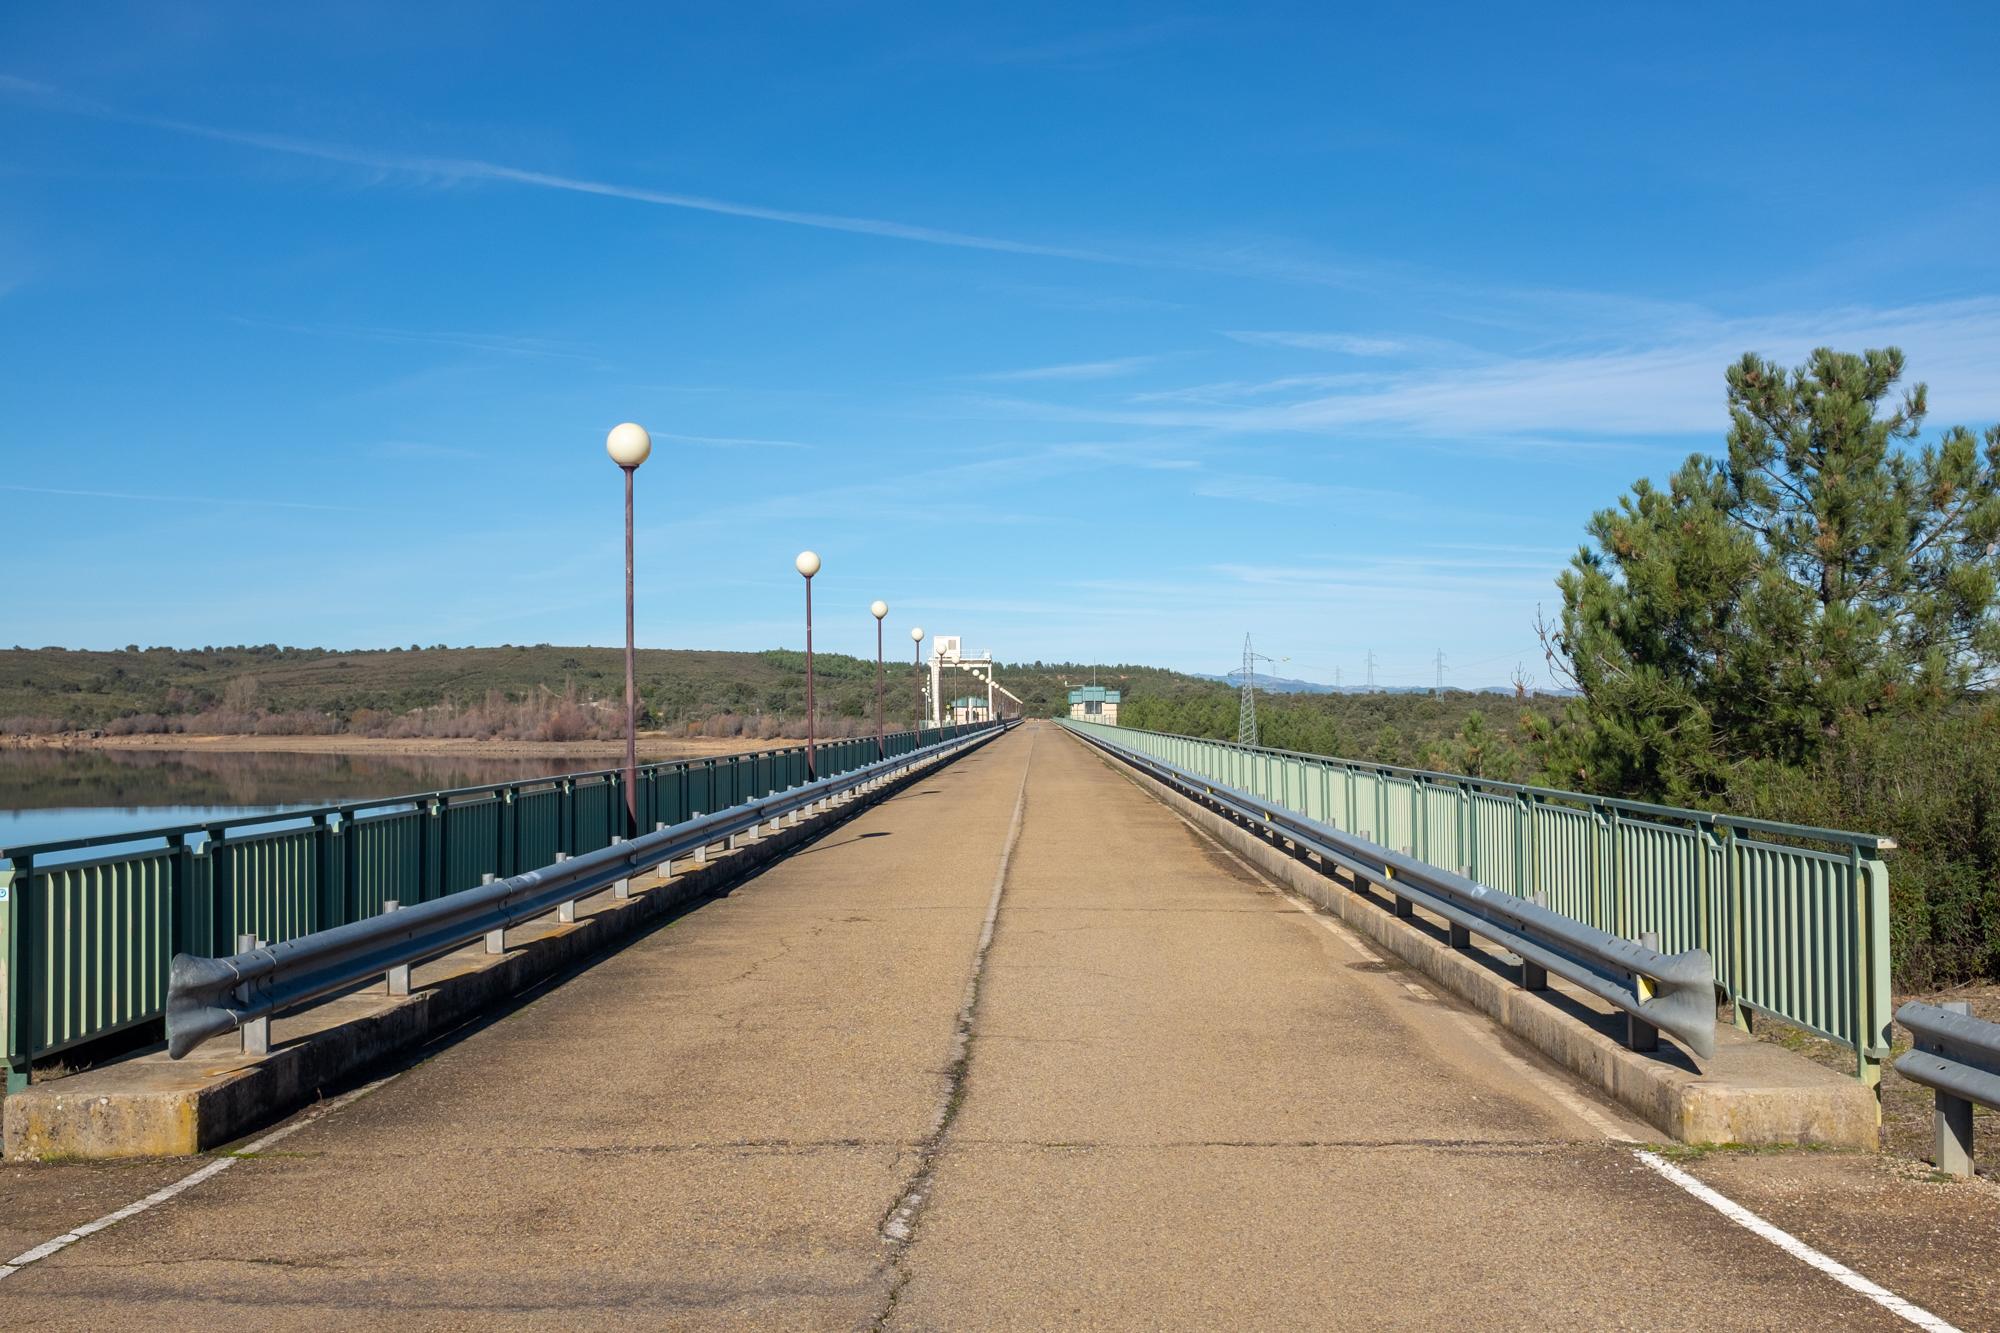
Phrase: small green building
pixel 1094 703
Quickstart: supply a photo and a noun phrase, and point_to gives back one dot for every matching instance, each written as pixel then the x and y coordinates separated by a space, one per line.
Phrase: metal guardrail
pixel 207 997
pixel 1794 918
pixel 1957 1056
pixel 1658 992
pixel 88 925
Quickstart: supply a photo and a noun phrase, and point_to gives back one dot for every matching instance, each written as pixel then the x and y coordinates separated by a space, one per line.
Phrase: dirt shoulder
pixel 1906 1106
pixel 652 745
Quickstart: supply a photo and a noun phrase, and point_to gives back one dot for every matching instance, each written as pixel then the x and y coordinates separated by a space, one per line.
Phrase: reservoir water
pixel 51 794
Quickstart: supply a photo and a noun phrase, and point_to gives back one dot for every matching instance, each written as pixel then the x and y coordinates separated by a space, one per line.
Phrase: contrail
pixel 473 169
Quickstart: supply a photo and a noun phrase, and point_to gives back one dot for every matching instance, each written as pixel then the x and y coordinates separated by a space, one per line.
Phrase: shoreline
pixel 652 745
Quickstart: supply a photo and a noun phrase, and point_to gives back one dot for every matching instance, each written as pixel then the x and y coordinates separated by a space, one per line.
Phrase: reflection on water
pixel 47 795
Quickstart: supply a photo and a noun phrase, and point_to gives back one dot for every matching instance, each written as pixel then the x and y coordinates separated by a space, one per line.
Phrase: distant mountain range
pixel 1282 685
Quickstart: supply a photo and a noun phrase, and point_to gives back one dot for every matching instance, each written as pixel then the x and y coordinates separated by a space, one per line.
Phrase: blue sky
pixel 1087 332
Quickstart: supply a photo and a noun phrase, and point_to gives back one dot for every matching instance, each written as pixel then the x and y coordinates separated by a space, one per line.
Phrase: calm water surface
pixel 47 795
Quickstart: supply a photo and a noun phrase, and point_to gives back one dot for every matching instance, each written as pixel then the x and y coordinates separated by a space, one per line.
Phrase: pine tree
pixel 1827 569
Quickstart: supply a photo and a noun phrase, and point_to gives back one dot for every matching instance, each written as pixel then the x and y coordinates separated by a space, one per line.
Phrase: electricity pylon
pixel 1246 711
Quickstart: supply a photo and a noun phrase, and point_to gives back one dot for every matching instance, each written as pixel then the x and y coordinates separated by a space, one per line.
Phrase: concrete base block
pixel 151 1106
pixel 1750 1092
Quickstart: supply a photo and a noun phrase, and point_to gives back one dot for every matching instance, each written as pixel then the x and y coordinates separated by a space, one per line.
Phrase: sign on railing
pixel 1796 919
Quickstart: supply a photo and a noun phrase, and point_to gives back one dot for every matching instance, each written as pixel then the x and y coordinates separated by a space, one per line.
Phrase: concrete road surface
pixel 1016 1048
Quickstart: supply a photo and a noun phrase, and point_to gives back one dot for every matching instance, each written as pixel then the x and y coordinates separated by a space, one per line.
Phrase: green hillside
pixel 543 691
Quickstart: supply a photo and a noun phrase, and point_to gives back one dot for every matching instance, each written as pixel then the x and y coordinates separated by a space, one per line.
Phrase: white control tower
pixel 947 651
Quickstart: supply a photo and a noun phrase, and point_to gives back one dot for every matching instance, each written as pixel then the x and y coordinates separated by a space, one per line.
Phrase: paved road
pixel 1016 1048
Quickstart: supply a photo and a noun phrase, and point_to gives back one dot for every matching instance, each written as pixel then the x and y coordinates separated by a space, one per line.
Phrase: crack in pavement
pixel 899 1226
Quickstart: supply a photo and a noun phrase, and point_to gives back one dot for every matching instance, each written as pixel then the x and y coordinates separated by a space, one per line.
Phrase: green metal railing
pixel 1796 918
pixel 89 925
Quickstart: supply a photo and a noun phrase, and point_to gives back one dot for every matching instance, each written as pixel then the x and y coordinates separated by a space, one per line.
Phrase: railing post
pixel 443 813
pixel 1952 1122
pixel 220 916
pixel 180 889
pixel 257 1032
pixel 1466 851
pixel 397 980
pixel 504 837
pixel 17 987
pixel 350 865
pixel 425 837
pixel 1738 956
pixel 1618 884
pixel 1870 930
pixel 1420 820
pixel 1524 823
pixel 623 888
pixel 566 817
pixel 330 902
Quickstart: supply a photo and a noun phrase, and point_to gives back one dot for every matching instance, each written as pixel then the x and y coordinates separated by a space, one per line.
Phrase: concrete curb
pixel 1752 1092
pixel 151 1106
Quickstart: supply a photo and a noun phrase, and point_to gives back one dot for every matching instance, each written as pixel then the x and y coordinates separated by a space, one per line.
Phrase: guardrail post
pixel 397 979
pixel 623 888
pixel 257 1032
pixel 566 911
pixel 496 940
pixel 1639 1034
pixel 1953 1122
pixel 1461 938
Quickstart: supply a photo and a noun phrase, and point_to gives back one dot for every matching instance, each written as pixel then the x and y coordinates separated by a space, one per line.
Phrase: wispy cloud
pixel 732 441
pixel 422 449
pixel 1291 492
pixel 1077 370
pixel 1226 391
pixel 1382 576
pixel 504 343
pixel 1572 396
pixel 248 502
pixel 1351 344
pixel 1092 50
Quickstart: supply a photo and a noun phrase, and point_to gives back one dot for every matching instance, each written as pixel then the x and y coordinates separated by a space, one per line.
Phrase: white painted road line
pixel 1578 1106
pixel 1798 1249
pixel 187 1182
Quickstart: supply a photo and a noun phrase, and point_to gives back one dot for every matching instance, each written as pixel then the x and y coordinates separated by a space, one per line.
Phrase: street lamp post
pixel 879 608
pixel 917 660
pixel 808 565
pixel 629 446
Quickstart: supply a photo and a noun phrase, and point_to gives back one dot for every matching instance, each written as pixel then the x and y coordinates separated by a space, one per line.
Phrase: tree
pixel 1826 570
